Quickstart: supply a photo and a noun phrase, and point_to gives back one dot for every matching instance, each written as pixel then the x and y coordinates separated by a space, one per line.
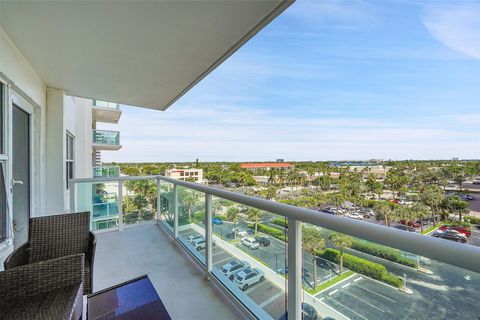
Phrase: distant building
pixel 195 175
pixel 261 180
pixel 266 165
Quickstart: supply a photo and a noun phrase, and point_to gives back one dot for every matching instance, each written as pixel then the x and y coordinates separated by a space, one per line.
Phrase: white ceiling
pixel 143 53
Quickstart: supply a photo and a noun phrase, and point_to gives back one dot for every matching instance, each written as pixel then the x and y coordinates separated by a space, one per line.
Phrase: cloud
pixel 457 27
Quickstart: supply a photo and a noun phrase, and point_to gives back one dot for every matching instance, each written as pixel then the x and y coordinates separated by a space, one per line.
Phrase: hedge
pixel 473 220
pixel 280 222
pixel 382 252
pixel 362 266
pixel 271 231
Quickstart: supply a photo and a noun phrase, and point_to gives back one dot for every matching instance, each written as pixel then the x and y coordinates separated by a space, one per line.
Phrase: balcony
pixel 429 278
pixel 106 140
pixel 107 112
pixel 106 171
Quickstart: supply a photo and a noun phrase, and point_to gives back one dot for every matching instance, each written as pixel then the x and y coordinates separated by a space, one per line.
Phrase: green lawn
pixel 432 228
pixel 329 283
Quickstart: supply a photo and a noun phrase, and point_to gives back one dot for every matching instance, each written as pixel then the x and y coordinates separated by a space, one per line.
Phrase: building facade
pixel 189 174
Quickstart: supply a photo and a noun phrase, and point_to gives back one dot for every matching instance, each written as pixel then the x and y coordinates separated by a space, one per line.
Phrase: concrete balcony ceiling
pixel 107 115
pixel 143 53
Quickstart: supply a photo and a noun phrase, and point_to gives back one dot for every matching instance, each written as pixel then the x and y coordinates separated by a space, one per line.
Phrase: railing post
pixel 208 234
pixel 294 284
pixel 159 194
pixel 120 205
pixel 72 196
pixel 175 212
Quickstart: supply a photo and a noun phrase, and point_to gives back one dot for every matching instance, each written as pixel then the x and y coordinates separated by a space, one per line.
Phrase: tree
pixel 455 205
pixel 433 196
pixel 341 241
pixel 255 215
pixel 420 211
pixel 313 241
pixel 188 200
pixel 233 215
pixel 383 211
pixel 337 199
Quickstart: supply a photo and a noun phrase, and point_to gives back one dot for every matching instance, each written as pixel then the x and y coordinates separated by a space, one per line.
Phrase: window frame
pixel 69 158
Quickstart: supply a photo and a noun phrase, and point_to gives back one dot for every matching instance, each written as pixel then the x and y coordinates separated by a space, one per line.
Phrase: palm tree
pixel 341 241
pixel 233 215
pixel 456 205
pixel 421 212
pixel 313 242
pixel 383 211
pixel 337 200
pixel 255 215
pixel 433 196
pixel 188 201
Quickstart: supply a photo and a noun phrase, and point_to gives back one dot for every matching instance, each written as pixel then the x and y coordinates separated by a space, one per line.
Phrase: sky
pixel 329 80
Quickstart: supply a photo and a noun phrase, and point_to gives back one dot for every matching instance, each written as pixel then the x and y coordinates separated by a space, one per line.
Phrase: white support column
pixel 120 205
pixel 208 234
pixel 159 193
pixel 175 212
pixel 294 285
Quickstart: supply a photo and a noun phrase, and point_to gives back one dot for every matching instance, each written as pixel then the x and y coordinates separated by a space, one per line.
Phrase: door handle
pixel 14 182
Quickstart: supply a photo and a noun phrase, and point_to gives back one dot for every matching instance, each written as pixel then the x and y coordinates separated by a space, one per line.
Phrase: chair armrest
pixel 17 258
pixel 35 278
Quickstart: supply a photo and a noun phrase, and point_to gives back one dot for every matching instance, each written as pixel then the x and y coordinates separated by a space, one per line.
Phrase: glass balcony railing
pixel 106 171
pixel 105 104
pixel 106 137
pixel 275 258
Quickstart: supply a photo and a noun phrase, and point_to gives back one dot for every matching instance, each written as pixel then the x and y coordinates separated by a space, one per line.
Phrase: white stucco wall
pixel 16 68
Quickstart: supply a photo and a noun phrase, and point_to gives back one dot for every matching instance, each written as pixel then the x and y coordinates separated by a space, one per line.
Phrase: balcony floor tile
pixel 146 249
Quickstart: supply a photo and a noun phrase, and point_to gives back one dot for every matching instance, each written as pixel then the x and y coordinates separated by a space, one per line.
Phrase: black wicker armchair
pixel 56 236
pixel 46 290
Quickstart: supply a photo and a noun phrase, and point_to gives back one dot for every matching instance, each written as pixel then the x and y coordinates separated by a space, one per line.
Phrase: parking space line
pixel 271 299
pixel 255 286
pixel 333 292
pixel 347 308
pixel 378 294
pixel 344 286
pixel 363 301
pixel 223 260
pixel 358 279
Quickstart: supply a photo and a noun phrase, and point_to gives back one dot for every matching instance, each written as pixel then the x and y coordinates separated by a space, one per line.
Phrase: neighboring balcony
pixel 108 112
pixel 106 171
pixel 387 273
pixel 106 140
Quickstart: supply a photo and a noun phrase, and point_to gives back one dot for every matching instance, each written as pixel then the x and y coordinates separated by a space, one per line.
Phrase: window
pixel 2 117
pixel 3 205
pixel 69 158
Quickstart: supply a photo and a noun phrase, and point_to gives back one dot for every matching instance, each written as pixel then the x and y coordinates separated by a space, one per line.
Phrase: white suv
pixel 231 268
pixel 250 243
pixel 248 277
pixel 194 237
pixel 199 243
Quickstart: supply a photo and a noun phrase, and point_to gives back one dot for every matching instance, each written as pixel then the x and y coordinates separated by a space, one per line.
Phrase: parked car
pixel 217 220
pixel 264 241
pixel 476 182
pixel 308 313
pixel 354 215
pixel 194 237
pixel 231 268
pixel 410 223
pixel 251 243
pixel 366 213
pixel 240 232
pixel 409 229
pixel 466 197
pixel 465 230
pixel 199 244
pixel 453 236
pixel 248 276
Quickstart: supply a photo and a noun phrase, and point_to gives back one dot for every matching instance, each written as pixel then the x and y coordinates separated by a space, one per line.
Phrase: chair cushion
pixel 52 305
pixel 57 236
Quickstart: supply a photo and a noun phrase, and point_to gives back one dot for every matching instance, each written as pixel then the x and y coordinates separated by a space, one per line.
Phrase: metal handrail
pixel 461 255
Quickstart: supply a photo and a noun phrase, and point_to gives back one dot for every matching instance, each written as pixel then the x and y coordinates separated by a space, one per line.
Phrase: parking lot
pixel 448 293
pixel 265 294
